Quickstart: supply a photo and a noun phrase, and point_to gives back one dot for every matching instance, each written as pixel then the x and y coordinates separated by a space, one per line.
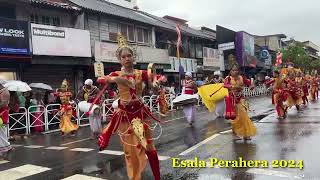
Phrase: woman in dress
pixel 131 119
pixel 236 105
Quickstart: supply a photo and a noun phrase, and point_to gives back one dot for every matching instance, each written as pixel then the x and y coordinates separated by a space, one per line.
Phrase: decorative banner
pixel 98 69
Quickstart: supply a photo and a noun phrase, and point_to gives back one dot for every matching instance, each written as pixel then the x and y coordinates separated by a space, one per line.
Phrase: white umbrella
pixel 17 86
pixel 41 86
pixel 2 81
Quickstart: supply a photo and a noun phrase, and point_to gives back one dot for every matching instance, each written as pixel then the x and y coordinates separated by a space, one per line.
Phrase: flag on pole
pixel 279 59
pixel 178 40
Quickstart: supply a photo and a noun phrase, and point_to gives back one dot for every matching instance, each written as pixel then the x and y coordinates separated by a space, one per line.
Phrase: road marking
pixel 81 177
pixel 16 145
pixel 198 145
pixel 56 148
pixel 117 153
pixel 212 176
pixel 22 171
pixel 226 132
pixel 34 147
pixel 82 149
pixel 81 140
pixel 180 118
pixel 208 164
pixel 273 173
pixel 3 161
pixel 163 158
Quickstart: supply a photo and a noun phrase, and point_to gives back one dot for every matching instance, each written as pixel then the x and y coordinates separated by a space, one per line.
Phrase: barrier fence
pixel 47 118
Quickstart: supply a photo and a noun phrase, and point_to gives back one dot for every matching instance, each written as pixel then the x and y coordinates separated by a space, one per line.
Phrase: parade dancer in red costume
pixel 278 94
pixel 314 83
pixel 131 119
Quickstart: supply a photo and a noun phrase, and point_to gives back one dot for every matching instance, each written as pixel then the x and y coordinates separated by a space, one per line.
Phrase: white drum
pixel 185 99
pixel 115 104
pixel 84 106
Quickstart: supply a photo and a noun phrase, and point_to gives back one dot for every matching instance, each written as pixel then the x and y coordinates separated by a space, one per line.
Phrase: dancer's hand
pixel 103 142
pixel 103 80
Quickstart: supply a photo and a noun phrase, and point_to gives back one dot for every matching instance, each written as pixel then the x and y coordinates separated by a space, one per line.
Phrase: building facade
pixel 51 27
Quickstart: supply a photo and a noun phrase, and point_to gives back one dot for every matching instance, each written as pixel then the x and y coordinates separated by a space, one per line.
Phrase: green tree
pixel 296 53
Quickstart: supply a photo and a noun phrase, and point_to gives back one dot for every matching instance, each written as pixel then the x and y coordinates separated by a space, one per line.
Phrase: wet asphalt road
pixel 292 139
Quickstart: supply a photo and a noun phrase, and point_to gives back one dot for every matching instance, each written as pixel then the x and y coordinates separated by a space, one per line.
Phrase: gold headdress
pixel 65 84
pixel 286 71
pixel 123 43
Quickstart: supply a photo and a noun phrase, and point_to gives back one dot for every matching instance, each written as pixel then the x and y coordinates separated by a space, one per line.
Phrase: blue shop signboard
pixel 14 37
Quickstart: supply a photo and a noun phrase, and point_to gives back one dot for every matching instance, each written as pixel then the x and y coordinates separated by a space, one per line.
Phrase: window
pixel 113 31
pixel 56 21
pixel 130 33
pixel 199 50
pixel 143 35
pixel 146 35
pixel 45 20
pixel 8 75
pixel 140 34
pixel 192 48
pixel 123 30
pixel 34 18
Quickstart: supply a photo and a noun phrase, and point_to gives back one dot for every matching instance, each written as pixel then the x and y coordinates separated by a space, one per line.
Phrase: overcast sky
pixel 295 18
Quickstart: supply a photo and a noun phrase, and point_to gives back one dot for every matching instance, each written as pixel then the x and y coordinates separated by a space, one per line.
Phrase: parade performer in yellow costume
pixel 131 120
pixel 278 94
pixel 66 110
pixel 236 107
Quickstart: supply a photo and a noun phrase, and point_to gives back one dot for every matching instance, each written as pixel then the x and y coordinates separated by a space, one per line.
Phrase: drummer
pixel 88 93
pixel 189 88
